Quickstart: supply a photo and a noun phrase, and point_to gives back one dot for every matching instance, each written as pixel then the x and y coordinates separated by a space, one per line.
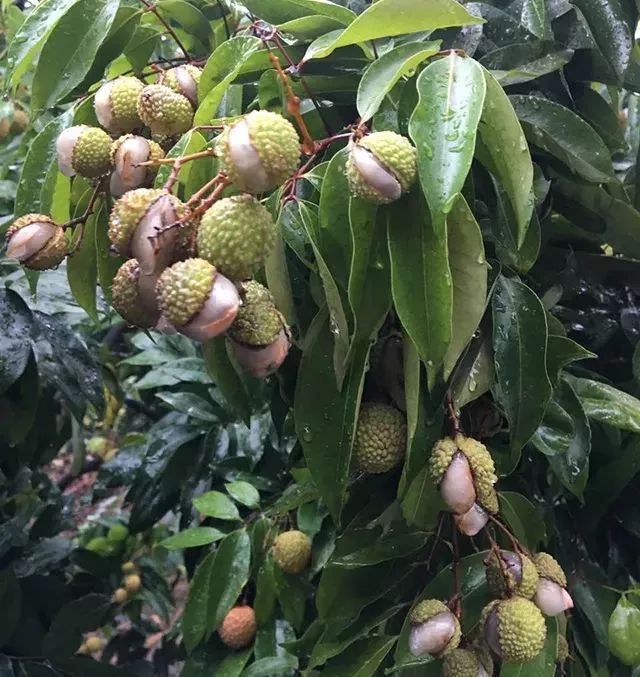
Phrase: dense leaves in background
pixel 506 282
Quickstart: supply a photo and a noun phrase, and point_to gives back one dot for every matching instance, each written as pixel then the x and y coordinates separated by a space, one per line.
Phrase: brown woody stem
pixel 154 10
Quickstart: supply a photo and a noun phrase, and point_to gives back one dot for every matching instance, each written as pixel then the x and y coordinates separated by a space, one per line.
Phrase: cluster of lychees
pixel 189 269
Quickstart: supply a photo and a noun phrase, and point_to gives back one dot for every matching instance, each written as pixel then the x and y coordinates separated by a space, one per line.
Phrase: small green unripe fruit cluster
pixel 238 628
pixel 292 551
pixel 380 439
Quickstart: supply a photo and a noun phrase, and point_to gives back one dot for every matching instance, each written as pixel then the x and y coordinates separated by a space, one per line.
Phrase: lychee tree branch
pixel 154 10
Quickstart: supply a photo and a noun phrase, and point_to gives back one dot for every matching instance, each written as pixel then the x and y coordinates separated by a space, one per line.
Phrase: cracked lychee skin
pixel 462 663
pixel 164 111
pixel 183 289
pixel 91 157
pixel 54 250
pixel 429 608
pixel 125 296
pixel 292 551
pixel 395 153
pixel 155 153
pixel 130 209
pixel 548 567
pixel 517 632
pixel 183 80
pixel 238 629
pixel 258 321
pixel 236 234
pixel 480 462
pixel 380 439
pixel 117 109
pixel 502 581
pixel 276 142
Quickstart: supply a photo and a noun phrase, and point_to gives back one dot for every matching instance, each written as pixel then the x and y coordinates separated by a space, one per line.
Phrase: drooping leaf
pixel 82 265
pixel 216 504
pixel 443 127
pixel 192 538
pixel 244 493
pixel 226 377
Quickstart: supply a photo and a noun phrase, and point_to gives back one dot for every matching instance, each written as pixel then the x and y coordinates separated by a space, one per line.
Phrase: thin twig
pixel 177 165
pixel 210 185
pixel 457 590
pixel 223 9
pixel 152 8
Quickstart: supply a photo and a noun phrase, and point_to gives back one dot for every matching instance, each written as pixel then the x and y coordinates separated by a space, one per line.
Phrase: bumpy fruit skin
pixel 155 153
pixel 121 114
pixel 499 587
pixel 395 154
pixel 292 551
pixel 426 610
pixel 125 296
pixel 548 567
pixel 183 80
pixel 132 583
pixel 520 631
pixel 130 209
pixel 120 596
pixel 164 111
pixel 563 652
pixel 258 321
pixel 480 462
pixel 19 123
pixel 184 288
pixel 53 252
pixel 238 629
pixel 236 234
pixel 276 143
pixel 461 663
pixel 91 156
pixel 380 439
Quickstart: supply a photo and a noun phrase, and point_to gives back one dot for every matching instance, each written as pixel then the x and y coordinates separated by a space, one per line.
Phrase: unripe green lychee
pixel 196 299
pixel 238 629
pixel 514 629
pixel 126 298
pixel 116 104
pixel 36 241
pixel 466 663
pixel 164 111
pixel 259 152
pixel 435 629
pixel 292 551
pixel 380 439
pixel 84 150
pixel 515 574
pixel 100 545
pixel 183 80
pixel 381 166
pixel 127 153
pixel 236 234
pixel 117 533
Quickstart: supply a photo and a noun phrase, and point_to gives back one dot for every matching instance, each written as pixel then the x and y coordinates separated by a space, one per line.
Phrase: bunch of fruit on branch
pixel 190 265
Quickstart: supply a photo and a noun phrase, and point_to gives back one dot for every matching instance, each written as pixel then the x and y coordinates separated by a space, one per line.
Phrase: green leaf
pixel 383 550
pixel 422 504
pixel 327 448
pixel 362 658
pixel 216 587
pixel 525 61
pixel 107 264
pixel 387 18
pixel 599 113
pixel 506 146
pixel 222 68
pixel 607 404
pixel 37 184
pixel 11 600
pixel 562 351
pixel 287 10
pixel 70 50
pixel 293 592
pixel 523 518
pixel 192 538
pixel 24 46
pixel 15 345
pixel 244 493
pixel 469 273
pixel 271 666
pixel 381 76
pixel 82 266
pixel 520 344
pixel 609 26
pixel 566 136
pixel 443 127
pixel 189 17
pixel 225 376
pixel 624 632
pixel 216 504
pixel 535 19
pixel 420 279
pixel 475 373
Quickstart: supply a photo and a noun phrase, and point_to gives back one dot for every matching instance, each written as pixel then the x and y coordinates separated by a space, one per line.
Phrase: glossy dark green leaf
pixel 420 279
pixel 475 374
pixel 279 280
pixel 562 133
pixel 391 547
pixel 216 504
pixel 443 127
pixel 82 265
pixel 381 76
pixel 562 351
pixel 610 27
pixel 607 404
pixel 520 344
pixel 222 68
pixel 535 19
pixel 288 10
pixel 293 592
pixel 327 448
pixel 361 659
pixel 276 665
pixel 508 151
pixel 624 632
pixel 243 493
pixel 389 18
pixel 469 274
pixel 192 538
pixel 525 61
pixel 11 600
pixel 189 17
pixel 226 377
pixel 600 114
pixel 421 504
pixel 194 620
pixel 69 51
pixel 192 405
pixel 594 600
pixel 15 347
pixel 525 521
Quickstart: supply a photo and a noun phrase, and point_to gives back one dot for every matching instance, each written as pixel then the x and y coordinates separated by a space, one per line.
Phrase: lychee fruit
pixel 183 80
pixel 380 439
pixel 128 152
pixel 164 111
pixel 435 630
pixel 126 297
pixel 132 583
pixel 116 104
pixel 513 573
pixel 238 629
pixel 551 595
pixel 84 150
pixel 292 551
pixel 36 241
pixel 120 596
